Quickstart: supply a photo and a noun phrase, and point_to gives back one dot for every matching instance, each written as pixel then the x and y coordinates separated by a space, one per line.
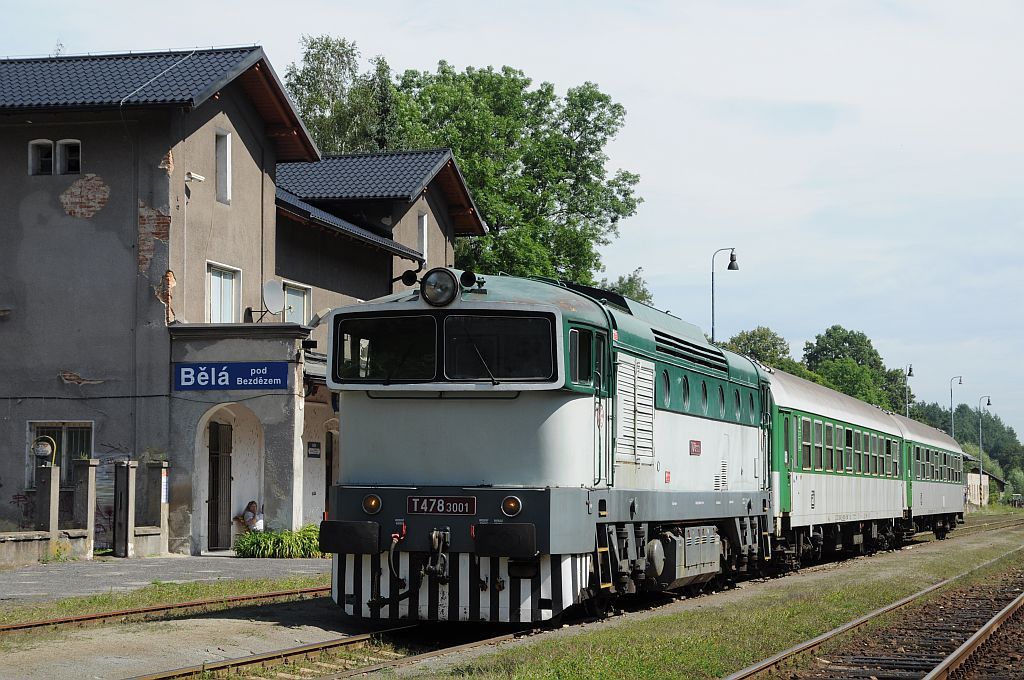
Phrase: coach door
pixel 218 508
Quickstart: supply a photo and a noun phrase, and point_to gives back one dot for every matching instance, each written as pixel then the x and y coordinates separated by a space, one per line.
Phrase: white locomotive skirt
pixel 477 589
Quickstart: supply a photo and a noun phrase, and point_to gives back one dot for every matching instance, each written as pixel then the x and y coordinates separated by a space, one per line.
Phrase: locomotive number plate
pixel 441 505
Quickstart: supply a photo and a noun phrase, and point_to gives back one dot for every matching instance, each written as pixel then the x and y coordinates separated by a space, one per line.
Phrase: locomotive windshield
pixel 385 349
pixel 476 348
pixel 498 348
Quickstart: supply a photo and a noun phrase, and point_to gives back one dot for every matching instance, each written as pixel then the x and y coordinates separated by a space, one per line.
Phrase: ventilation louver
pixel 709 357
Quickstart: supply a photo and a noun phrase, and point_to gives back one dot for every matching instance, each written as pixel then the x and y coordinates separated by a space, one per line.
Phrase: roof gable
pixel 389 175
pixel 180 78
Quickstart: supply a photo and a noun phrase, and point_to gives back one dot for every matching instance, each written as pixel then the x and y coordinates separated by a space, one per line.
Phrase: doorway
pixel 218 528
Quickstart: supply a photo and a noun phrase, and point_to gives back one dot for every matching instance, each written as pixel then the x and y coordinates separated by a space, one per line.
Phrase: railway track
pixel 945 632
pixel 163 610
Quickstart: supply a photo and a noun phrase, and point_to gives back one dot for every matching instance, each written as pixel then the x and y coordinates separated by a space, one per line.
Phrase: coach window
pixel 830 456
pixel 895 458
pixel 581 356
pixel 686 393
pixel 666 389
pixel 874 454
pixel 887 465
pixel 856 452
pixel 704 397
pixel 917 462
pixel 849 448
pixel 721 402
pixel 806 451
pixel 738 407
pixel 817 445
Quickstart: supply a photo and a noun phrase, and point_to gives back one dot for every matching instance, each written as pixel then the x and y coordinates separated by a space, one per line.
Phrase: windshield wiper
pixel 494 381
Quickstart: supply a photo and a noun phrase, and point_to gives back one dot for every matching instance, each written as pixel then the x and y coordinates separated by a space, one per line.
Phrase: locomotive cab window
pixel 386 349
pixel 581 358
pixel 480 348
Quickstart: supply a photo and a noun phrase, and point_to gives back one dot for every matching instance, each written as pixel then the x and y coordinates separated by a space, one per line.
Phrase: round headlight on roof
pixel 439 287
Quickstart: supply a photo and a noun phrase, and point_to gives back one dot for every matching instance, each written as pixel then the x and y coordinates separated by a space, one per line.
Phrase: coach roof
pixel 792 392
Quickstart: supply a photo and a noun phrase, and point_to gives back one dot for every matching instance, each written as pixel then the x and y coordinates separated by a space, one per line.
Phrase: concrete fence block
pixel 124 508
pixel 48 499
pixel 84 503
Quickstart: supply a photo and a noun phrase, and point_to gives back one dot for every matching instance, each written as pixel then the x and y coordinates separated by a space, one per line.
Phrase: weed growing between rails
pixel 285 543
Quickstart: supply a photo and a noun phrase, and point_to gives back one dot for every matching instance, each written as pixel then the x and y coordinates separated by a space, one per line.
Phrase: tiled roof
pixel 295 205
pixel 155 78
pixel 386 175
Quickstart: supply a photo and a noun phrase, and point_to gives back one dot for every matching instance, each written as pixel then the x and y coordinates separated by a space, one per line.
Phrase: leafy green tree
pixel 1016 477
pixel 630 285
pixel 796 368
pixel 854 379
pixel 535 163
pixel 839 343
pixel 346 111
pixel 762 344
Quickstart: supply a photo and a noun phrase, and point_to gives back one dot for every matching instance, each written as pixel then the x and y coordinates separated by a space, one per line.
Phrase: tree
pixel 534 162
pixel 839 343
pixel 762 344
pixel 345 111
pixel 631 285
pixel 1016 477
pixel 854 379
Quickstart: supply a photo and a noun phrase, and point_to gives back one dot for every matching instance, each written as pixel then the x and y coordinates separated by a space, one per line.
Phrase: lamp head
pixel 733 265
pixel 910 371
pixel 989 402
pixel 960 381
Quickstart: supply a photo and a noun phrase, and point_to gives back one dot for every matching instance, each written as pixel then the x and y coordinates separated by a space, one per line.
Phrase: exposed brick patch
pixel 167 162
pixel 164 293
pixel 86 196
pixel 73 378
pixel 154 225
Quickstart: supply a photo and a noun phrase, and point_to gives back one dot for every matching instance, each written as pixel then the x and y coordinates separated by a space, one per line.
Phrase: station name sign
pixel 231 375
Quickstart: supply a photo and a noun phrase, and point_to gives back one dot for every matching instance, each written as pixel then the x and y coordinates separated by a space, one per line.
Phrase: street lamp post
pixel 733 266
pixel 981 455
pixel 907 375
pixel 952 424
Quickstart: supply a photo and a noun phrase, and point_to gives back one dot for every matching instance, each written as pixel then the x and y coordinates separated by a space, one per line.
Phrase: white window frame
pixel 307 300
pixel 222 158
pixel 60 158
pixel 65 471
pixel 422 229
pixel 236 303
pixel 33 159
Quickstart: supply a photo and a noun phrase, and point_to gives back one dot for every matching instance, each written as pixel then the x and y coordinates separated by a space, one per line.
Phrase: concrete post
pixel 157 498
pixel 124 508
pixel 48 499
pixel 84 504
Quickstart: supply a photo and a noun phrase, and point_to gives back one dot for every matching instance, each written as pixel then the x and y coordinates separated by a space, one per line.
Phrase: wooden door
pixel 219 503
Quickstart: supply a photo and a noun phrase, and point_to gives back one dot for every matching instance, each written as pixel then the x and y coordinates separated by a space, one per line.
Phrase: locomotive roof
pixel 925 434
pixel 790 391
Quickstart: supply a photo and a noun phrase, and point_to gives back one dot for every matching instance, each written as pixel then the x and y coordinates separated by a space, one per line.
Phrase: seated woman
pixel 252 518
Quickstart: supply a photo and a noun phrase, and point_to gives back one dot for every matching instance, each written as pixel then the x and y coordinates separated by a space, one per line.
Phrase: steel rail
pixel 231 601
pixel 965 651
pixel 806 646
pixel 416 658
pixel 272 658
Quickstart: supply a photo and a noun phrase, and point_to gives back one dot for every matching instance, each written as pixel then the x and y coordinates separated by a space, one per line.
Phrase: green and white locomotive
pixel 513 447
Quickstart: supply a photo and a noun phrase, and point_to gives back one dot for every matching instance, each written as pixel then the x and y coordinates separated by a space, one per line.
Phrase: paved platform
pixel 39 582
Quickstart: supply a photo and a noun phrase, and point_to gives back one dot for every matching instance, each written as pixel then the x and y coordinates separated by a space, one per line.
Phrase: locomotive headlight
pixel 511 506
pixel 439 287
pixel 371 504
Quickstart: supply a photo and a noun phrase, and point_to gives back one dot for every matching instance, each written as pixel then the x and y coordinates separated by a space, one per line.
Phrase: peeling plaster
pixel 167 162
pixel 154 225
pixel 164 293
pixel 85 197
pixel 73 378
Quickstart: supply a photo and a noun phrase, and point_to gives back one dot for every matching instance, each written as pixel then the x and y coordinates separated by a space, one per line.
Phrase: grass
pixel 156 593
pixel 717 639
pixel 283 543
pixel 999 509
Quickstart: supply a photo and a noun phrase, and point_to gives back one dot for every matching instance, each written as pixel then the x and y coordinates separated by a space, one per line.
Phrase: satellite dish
pixel 273 296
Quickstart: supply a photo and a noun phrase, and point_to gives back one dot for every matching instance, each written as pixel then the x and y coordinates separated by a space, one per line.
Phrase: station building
pixel 170 232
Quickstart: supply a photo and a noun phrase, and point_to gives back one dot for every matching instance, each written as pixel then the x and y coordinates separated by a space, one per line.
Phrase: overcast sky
pixel 864 158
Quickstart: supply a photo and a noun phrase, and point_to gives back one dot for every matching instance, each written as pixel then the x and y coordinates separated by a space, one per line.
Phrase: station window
pixel 222 286
pixel 856 452
pixel 806 450
pixel 817 445
pixel 69 157
pixel 222 148
pixel 40 157
pixel 830 456
pixel 296 303
pixel 580 357
pixel 73 440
